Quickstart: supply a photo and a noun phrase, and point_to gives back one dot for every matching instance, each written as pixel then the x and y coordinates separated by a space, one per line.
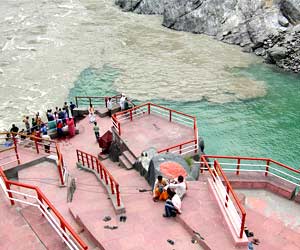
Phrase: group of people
pixel 170 191
pixel 67 111
pixel 124 104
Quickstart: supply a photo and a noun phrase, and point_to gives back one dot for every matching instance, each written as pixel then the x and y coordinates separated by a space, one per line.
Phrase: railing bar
pixel 55 224
pixel 277 170
pixel 23 194
pixel 22 201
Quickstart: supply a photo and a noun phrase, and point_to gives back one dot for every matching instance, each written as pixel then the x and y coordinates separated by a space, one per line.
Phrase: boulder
pixel 255 25
pixel 291 10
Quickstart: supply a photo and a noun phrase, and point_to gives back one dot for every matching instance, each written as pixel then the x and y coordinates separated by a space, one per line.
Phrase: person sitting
pixel 179 186
pixel 158 191
pixel 172 205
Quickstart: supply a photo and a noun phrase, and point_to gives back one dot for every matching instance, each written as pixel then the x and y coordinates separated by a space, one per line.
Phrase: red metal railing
pixel 93 163
pixel 43 200
pixel 38 144
pixel 280 170
pixel 181 148
pixel 215 172
pixel 170 114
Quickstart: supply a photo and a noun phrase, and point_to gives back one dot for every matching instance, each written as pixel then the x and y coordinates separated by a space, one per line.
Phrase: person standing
pixel 14 129
pixel 92 116
pixel 109 106
pixel 96 130
pixel 27 124
pixel 66 107
pixel 59 127
pixel 72 107
pixel 126 104
pixel 122 102
pixel 46 141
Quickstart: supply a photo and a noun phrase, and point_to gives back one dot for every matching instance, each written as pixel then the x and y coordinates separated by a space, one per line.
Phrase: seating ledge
pixel 260 181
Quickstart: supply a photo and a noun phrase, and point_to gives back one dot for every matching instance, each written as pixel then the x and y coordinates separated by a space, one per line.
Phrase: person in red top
pixel 59 127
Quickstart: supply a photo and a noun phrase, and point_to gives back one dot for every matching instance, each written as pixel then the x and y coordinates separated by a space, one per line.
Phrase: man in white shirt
pixel 179 186
pixel 172 205
pixel 46 141
pixel 122 102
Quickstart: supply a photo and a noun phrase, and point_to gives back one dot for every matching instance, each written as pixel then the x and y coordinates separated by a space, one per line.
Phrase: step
pixel 125 163
pixel 129 157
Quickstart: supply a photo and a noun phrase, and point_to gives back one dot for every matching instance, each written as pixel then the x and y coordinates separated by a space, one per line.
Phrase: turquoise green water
pixel 262 127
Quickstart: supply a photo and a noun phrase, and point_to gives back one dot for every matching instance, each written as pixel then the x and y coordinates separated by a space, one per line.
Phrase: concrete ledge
pixel 118 209
pixel 297 198
pixel 13 172
pixel 86 230
pixel 191 231
pixel 260 181
pixel 238 242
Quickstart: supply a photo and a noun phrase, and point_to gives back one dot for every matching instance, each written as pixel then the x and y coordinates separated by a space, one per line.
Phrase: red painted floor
pixel 145 227
pixel 154 131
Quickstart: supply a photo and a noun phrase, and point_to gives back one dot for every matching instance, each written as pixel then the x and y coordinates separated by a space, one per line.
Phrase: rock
pixel 291 10
pixel 260 52
pixel 252 24
pixel 276 54
pixel 283 21
pixel 114 152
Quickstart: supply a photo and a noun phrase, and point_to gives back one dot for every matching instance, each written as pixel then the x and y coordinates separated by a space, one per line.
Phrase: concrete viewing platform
pixel 154 131
pixel 144 228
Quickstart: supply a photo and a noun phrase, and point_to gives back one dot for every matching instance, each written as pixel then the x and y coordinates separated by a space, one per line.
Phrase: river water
pixel 53 50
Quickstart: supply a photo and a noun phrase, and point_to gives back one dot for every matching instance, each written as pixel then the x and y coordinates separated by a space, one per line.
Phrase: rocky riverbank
pixel 269 28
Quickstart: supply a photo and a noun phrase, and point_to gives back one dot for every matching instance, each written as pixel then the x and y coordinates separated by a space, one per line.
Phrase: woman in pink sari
pixel 71 126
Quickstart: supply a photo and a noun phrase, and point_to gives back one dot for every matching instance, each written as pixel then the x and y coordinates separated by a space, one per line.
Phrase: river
pixel 53 50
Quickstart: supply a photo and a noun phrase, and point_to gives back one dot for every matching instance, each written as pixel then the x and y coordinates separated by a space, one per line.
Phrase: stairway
pixel 127 160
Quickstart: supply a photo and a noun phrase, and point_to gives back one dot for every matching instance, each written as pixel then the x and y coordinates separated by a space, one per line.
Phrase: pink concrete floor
pixel 145 227
pixel 153 131
pixel 15 233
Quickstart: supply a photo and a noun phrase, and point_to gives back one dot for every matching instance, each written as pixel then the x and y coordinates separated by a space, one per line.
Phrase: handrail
pixel 180 146
pixel 93 162
pixel 37 141
pixel 229 190
pixel 129 114
pixel 64 225
pixel 267 160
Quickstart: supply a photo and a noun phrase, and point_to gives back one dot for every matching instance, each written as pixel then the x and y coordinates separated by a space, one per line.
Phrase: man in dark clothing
pixel 14 129
pixel 61 114
pixel 66 108
pixel 72 107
